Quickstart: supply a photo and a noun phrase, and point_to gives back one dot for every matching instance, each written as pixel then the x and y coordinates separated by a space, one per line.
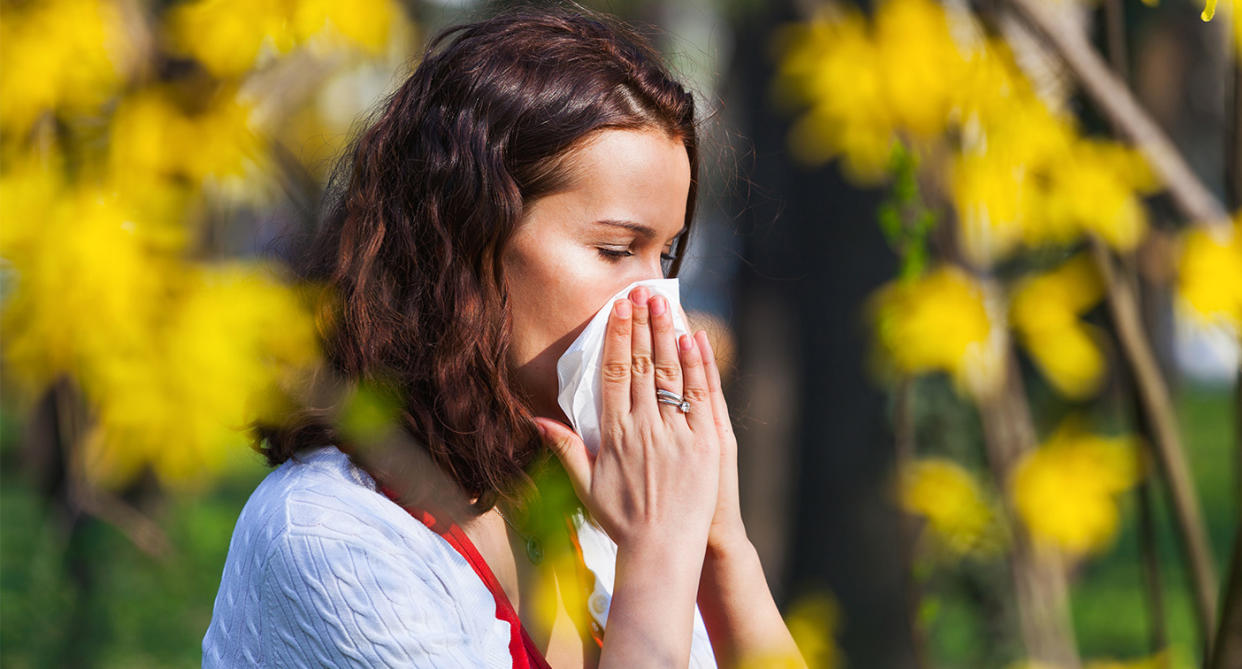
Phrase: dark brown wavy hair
pixel 426 197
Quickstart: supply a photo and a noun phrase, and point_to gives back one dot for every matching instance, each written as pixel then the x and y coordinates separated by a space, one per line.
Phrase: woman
pixel 533 165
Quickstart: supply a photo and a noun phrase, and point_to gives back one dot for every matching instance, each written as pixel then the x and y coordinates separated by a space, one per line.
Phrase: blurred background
pixel 976 262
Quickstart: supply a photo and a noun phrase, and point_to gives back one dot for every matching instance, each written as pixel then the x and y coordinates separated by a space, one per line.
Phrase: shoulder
pixel 320 493
pixel 322 563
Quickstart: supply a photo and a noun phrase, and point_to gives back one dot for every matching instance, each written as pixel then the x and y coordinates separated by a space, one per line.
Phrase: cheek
pixel 554 295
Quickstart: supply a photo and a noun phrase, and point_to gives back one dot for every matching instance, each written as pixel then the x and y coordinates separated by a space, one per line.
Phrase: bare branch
pixel 1116 101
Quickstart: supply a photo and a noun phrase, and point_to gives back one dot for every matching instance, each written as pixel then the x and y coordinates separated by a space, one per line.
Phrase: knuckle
pixel 696 394
pixel 615 372
pixel 641 364
pixel 614 433
pixel 667 372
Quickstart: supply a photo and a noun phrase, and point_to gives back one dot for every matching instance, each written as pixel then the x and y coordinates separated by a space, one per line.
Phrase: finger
pixel 720 410
pixel 570 450
pixel 615 362
pixel 642 375
pixel 696 391
pixel 666 360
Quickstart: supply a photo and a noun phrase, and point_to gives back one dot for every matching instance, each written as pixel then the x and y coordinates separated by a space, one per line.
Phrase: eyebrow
pixel 646 231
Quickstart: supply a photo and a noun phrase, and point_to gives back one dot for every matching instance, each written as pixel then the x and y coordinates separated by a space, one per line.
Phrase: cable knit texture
pixel 325 571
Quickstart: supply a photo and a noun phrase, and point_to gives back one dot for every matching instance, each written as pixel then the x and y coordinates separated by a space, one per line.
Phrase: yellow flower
pixel 366 24
pixel 29 188
pixel 1025 178
pixel 153 137
pixel 921 64
pixel 181 405
pixel 950 499
pixel 1095 189
pixel 63 54
pixel 999 180
pixel 87 285
pixel 231 37
pixel 1065 490
pixel 942 321
pixel 174 359
pixel 991 85
pixel 1210 273
pixel 1022 174
pixel 863 87
pixel 1045 310
pixel 832 64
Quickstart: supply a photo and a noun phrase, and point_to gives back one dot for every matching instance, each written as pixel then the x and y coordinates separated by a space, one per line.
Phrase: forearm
pixel 651 617
pixel 742 619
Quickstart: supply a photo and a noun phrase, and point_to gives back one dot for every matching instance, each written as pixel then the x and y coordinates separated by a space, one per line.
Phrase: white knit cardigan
pixel 323 570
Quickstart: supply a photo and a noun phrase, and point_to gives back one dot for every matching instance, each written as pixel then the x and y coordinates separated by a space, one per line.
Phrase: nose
pixel 648 271
pixel 655 267
pixel 636 275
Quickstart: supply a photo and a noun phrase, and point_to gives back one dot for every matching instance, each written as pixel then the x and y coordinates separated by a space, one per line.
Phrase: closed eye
pixel 617 254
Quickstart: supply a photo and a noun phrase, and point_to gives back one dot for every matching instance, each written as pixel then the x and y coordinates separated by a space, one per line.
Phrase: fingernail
pixel 639 295
pixel 657 305
pixel 621 308
pixel 686 342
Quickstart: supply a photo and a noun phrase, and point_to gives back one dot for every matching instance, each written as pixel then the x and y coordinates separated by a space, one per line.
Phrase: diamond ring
pixel 670 397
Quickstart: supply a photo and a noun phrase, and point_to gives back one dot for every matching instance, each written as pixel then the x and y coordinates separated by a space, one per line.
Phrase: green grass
pixel 1110 610
pixel 968 610
pixel 125 608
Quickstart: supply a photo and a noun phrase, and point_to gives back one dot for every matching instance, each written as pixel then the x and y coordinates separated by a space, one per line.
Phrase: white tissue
pixel 578 370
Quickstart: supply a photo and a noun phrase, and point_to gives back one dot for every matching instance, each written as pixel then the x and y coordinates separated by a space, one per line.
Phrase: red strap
pixel 525 653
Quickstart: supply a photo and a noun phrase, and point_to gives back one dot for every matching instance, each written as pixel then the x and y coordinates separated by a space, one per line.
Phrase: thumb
pixel 569 449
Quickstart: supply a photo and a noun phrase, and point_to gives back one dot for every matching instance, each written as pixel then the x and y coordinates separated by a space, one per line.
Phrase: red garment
pixel 525 654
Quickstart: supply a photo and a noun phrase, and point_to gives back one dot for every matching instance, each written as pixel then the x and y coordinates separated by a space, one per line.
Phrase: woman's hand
pixel 656 475
pixel 726 531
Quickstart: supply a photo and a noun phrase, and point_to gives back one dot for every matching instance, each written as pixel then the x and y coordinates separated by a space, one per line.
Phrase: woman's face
pixel 623 207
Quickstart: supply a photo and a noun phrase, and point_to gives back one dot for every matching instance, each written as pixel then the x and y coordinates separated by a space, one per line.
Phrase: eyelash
pixel 613 255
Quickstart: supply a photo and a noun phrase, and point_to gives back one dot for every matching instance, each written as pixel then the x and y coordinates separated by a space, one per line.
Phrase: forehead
pixel 642 176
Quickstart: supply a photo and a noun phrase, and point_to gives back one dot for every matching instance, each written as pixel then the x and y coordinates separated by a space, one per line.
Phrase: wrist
pixel 727 541
pixel 659 546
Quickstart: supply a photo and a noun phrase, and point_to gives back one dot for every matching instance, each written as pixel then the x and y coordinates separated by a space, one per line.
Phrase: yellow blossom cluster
pixel 1210 273
pixel 1031 181
pixel 154 137
pixel 60 54
pixel 230 37
pixel 1018 172
pixel 1066 490
pixel 942 321
pixel 953 503
pixel 174 357
pixel 110 167
pixel 1044 310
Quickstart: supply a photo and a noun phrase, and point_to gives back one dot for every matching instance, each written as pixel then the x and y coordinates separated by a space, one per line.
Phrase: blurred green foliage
pixel 96 600
pixel 964 610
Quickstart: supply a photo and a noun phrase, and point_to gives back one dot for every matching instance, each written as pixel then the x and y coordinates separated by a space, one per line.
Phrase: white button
pixel 598 603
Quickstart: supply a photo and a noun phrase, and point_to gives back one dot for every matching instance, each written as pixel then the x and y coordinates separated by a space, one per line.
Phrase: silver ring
pixel 670 397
